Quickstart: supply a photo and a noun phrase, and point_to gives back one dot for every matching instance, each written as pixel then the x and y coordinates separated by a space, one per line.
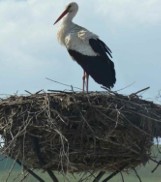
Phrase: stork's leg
pixel 84 77
pixel 87 83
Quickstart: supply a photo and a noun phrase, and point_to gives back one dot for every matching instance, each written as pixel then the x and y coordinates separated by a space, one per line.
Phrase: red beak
pixel 61 16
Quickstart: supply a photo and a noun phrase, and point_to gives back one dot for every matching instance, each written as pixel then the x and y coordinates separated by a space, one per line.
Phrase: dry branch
pixel 78 132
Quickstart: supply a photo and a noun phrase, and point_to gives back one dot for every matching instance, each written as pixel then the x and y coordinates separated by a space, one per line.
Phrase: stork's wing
pixel 93 56
pixel 100 47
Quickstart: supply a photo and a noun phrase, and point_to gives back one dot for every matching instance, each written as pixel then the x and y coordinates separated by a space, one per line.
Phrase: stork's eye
pixel 69 6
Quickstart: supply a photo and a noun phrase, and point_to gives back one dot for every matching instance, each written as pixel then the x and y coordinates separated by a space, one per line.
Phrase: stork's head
pixel 70 9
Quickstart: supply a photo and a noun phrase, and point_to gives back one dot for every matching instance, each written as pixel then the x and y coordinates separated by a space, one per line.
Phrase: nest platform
pixel 75 132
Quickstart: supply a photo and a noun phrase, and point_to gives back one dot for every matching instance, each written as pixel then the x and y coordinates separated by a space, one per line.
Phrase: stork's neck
pixel 66 26
pixel 69 17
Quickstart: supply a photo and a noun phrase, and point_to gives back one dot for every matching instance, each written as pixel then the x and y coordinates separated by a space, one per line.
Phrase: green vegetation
pixel 17 173
pixel 144 173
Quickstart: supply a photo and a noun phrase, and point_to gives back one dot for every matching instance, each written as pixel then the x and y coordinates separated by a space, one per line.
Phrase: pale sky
pixel 30 52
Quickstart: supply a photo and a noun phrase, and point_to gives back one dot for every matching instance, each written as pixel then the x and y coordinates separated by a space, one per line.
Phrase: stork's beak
pixel 61 16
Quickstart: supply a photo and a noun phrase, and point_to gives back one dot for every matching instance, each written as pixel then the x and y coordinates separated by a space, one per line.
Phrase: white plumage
pixel 76 38
pixel 80 41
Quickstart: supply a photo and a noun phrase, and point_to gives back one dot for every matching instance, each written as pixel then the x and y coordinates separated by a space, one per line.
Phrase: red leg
pixel 87 83
pixel 84 77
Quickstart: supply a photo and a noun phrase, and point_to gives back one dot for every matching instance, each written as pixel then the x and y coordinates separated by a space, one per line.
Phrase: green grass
pixel 17 173
pixel 144 173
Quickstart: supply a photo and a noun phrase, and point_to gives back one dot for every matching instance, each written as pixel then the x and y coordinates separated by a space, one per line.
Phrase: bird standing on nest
pixel 87 49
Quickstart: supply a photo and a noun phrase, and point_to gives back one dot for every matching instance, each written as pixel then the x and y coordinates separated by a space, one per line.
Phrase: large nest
pixel 77 132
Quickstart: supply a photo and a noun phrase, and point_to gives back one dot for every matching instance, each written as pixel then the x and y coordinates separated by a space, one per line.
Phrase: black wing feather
pixel 99 67
pixel 100 47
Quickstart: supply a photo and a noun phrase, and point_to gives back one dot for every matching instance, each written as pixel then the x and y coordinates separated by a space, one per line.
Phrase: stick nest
pixel 77 132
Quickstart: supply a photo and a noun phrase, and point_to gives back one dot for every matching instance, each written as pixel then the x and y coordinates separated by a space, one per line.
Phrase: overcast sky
pixel 30 52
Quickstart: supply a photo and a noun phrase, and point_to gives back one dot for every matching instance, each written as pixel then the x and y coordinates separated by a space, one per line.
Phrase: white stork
pixel 87 49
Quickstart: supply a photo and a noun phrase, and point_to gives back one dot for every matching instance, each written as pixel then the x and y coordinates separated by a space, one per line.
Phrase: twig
pixel 125 87
pixel 60 91
pixel 39 91
pixel 135 93
pixel 63 84
pixel 86 177
pixel 28 92
pixel 117 90
pixel 99 176
pixel 110 91
pixel 158 164
pixel 35 92
pixel 122 177
pixel 30 171
pixel 137 175
pixel 24 177
pixel 51 174
pixel 114 174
